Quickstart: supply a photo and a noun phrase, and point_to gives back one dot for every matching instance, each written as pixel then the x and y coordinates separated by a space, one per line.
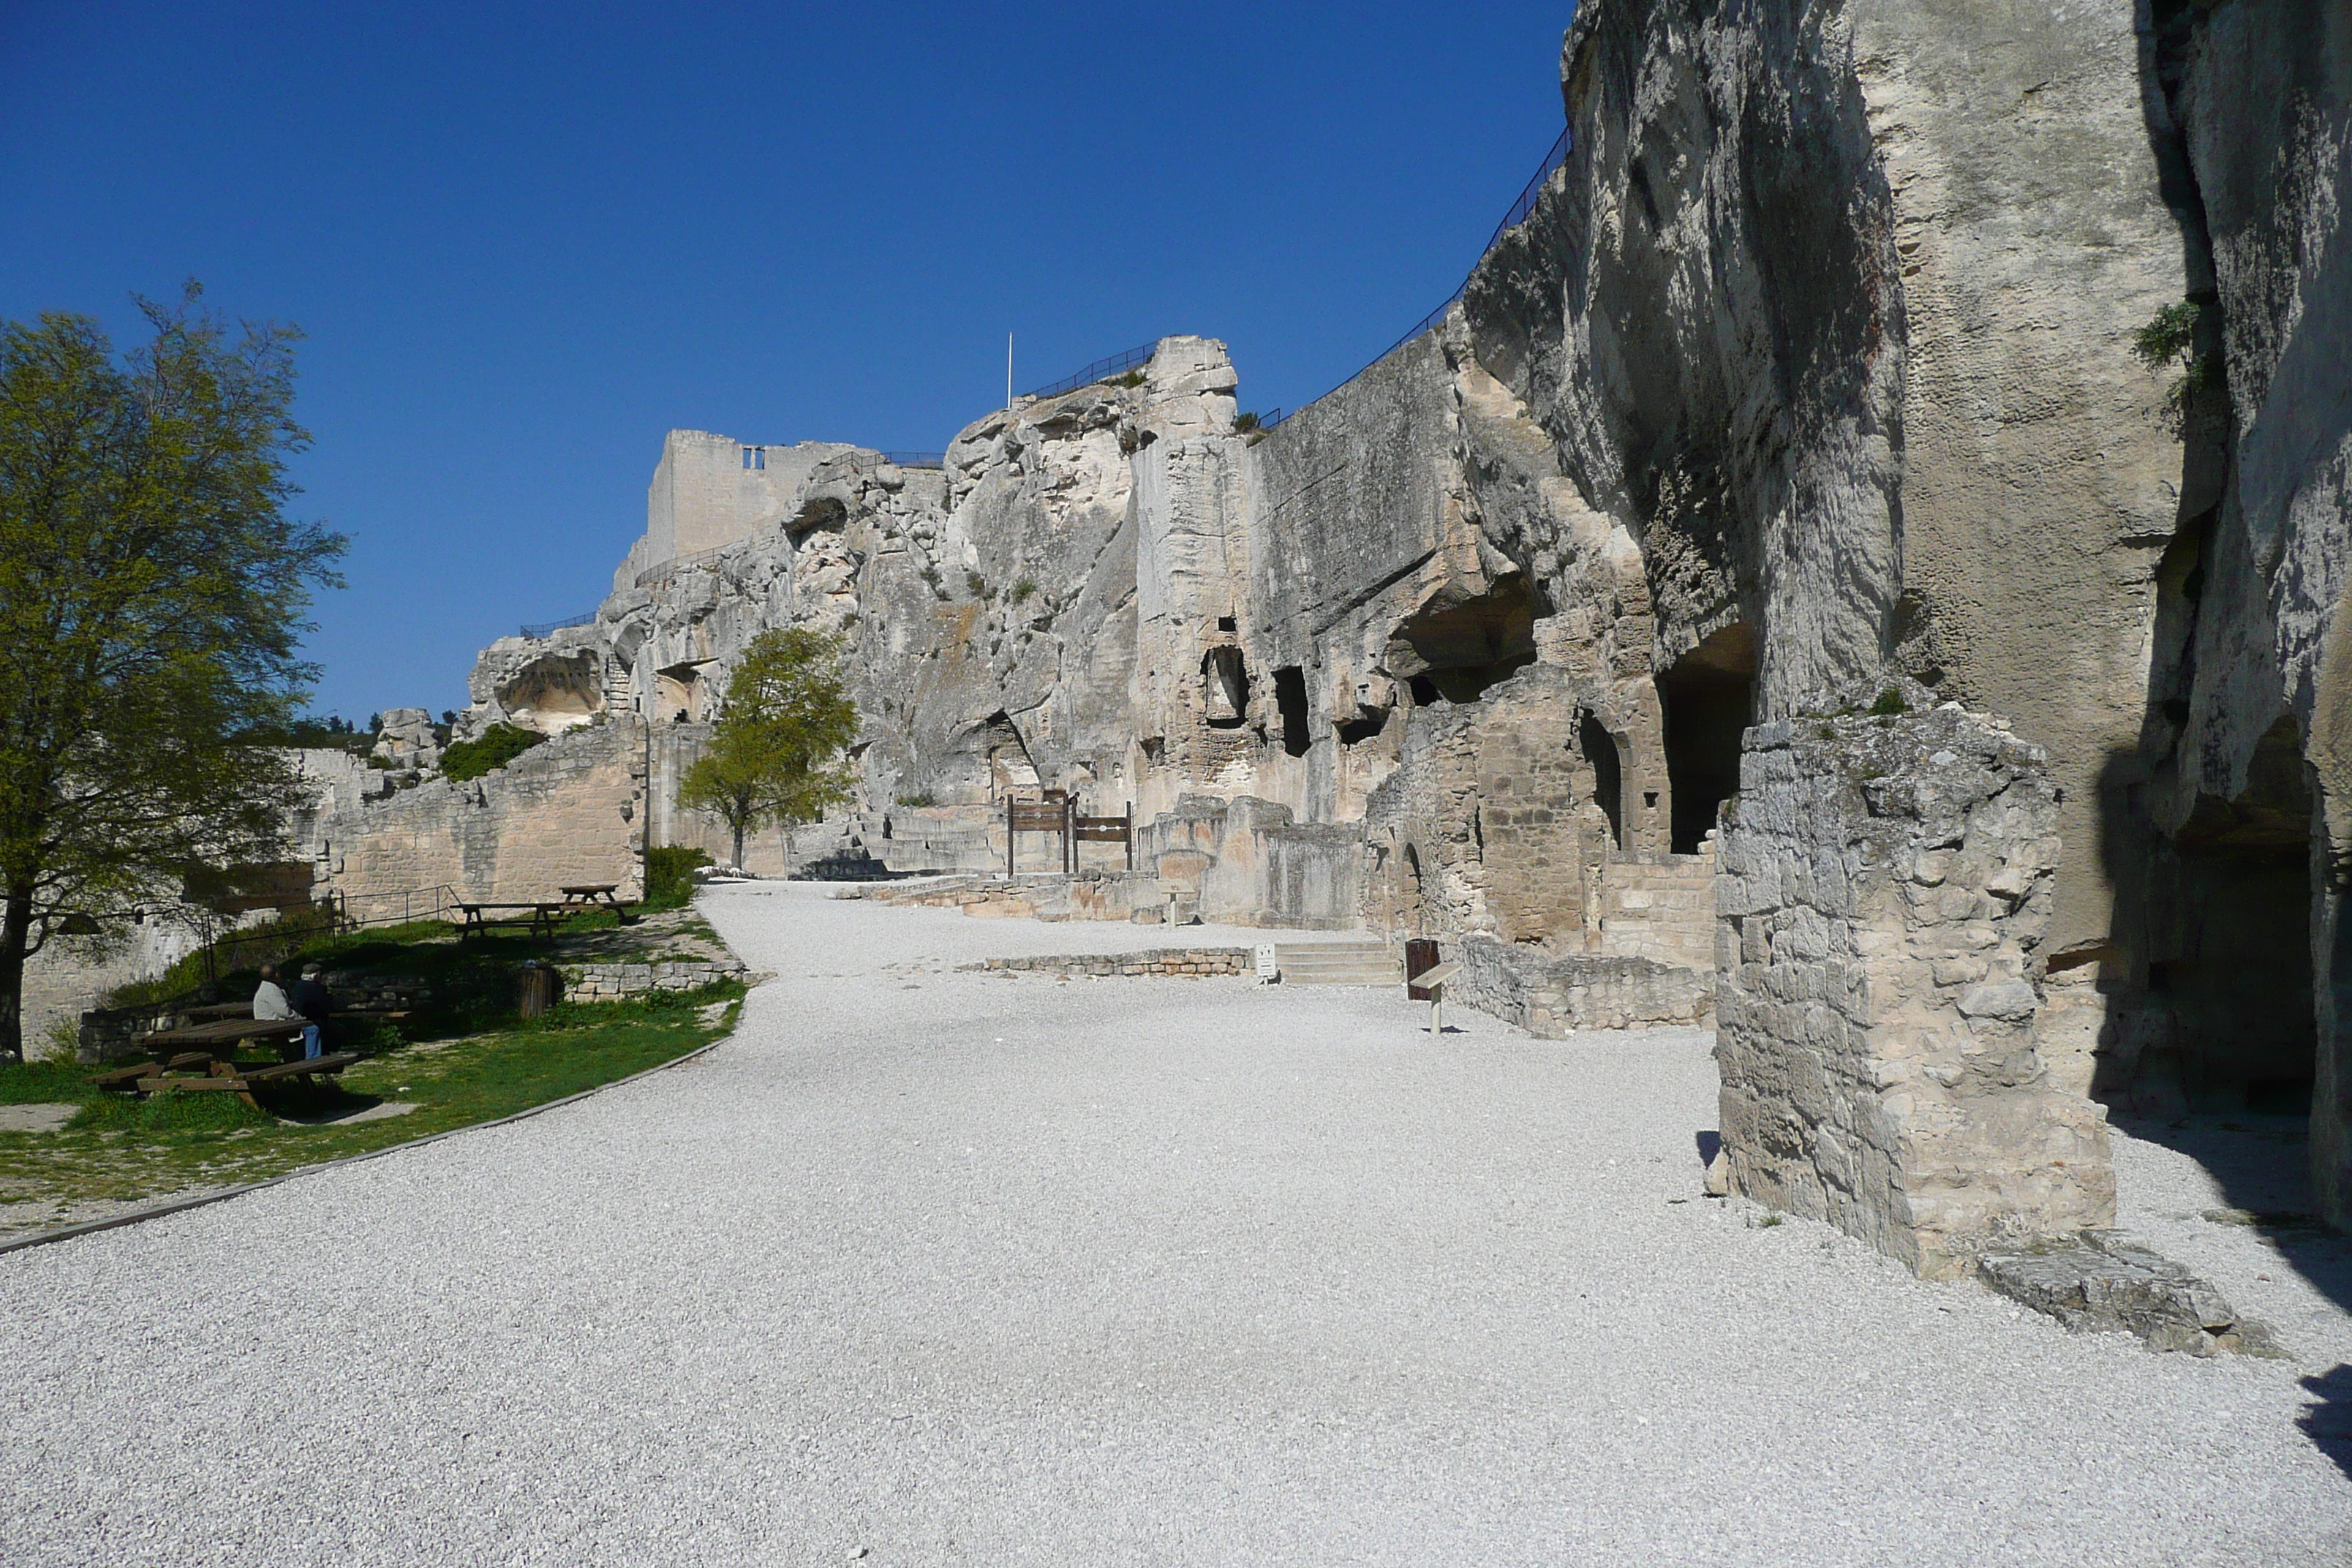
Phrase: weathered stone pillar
pixel 1884 888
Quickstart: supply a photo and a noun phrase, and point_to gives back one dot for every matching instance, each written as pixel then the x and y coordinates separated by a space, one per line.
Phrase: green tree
pixel 775 753
pixel 153 593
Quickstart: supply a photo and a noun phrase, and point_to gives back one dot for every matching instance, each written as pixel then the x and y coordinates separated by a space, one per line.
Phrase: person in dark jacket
pixel 310 1000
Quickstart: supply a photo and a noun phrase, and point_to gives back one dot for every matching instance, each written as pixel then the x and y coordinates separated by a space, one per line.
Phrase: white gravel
pixel 1000 1269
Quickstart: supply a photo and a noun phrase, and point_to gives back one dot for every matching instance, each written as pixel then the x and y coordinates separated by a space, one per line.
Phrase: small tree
pixel 152 600
pixel 774 756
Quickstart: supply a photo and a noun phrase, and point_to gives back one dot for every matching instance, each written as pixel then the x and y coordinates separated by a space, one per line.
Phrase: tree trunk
pixel 15 931
pixel 739 845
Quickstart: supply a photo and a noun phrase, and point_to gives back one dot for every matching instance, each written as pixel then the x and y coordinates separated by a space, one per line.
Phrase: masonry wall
pixel 565 812
pixel 1884 897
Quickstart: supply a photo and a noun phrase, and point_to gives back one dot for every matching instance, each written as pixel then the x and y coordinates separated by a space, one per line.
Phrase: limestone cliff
pixel 1812 375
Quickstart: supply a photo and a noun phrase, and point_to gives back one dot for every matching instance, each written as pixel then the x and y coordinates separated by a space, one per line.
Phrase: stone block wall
pixel 1657 905
pixel 611 982
pixel 1182 961
pixel 1552 996
pixel 564 811
pixel 1884 894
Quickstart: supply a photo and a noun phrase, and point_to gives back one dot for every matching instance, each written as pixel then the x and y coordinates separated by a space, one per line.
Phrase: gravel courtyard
pixel 930 1266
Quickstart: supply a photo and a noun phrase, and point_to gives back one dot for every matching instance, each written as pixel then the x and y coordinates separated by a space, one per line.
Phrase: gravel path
pixel 927 1266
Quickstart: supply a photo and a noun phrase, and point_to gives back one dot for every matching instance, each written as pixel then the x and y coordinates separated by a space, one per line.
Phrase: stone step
pixel 1338 963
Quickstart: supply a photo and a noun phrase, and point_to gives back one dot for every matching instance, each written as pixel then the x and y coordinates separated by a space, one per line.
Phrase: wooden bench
pixel 240 1078
pixel 541 916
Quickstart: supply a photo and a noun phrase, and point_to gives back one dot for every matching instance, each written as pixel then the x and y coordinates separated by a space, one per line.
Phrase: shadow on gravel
pixel 2262 1165
pixel 2328 1422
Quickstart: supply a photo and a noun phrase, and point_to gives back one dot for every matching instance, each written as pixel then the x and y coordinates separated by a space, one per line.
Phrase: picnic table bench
pixel 542 915
pixel 207 1061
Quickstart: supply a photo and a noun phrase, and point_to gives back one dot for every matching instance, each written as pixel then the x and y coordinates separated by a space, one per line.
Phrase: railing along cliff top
pixel 1517 214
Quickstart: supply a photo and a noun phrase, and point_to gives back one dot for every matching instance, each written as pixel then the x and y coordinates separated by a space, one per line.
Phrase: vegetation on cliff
pixel 492 750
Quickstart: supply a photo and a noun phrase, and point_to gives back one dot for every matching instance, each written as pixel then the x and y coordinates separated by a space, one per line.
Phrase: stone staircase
pixel 1339 963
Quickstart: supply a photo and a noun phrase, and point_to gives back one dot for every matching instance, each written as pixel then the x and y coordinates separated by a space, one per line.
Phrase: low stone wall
pixel 1884 888
pixel 1088 896
pixel 1552 996
pixel 1176 961
pixel 611 981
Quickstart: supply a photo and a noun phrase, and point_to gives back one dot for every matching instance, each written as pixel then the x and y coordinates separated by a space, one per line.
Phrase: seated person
pixel 311 1000
pixel 271 1005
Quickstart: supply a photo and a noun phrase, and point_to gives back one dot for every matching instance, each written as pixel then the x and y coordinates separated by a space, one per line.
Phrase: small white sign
pixel 1268 968
pixel 1430 979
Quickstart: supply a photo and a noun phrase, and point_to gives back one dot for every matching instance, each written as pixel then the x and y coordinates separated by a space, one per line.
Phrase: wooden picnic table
pixel 542 916
pixel 594 893
pixel 229 1033
pixel 204 1060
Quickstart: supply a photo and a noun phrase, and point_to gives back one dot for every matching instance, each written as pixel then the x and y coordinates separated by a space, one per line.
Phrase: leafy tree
pixel 774 756
pixel 153 591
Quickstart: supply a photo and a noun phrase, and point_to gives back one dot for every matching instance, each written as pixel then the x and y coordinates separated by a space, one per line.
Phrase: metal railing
pixel 549 628
pixel 1101 370
pixel 917 460
pixel 1517 214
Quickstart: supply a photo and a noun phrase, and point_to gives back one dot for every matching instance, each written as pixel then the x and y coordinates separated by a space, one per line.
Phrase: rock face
pixel 1810 375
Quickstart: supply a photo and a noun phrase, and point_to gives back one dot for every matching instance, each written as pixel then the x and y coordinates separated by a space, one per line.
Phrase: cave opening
pixel 1369 722
pixel 1709 696
pixel 1600 749
pixel 1225 686
pixel 1290 701
pixel 2230 944
pixel 1457 650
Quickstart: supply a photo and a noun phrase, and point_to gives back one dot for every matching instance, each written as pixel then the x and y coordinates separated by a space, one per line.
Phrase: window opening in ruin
pixel 1225 688
pixel 1600 749
pixel 1709 696
pixel 1424 692
pixel 2229 941
pixel 1370 723
pixel 755 456
pixel 1290 701
pixel 1226 624
pixel 1650 799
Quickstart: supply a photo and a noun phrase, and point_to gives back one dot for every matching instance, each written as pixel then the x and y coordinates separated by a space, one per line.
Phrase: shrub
pixel 669 875
pixel 977 583
pixel 1244 423
pixel 1023 589
pixel 1132 378
pixel 1890 703
pixel 497 746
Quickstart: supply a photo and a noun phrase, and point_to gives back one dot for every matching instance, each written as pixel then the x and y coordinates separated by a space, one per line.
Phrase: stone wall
pixel 1885 898
pixel 613 981
pixel 562 813
pixel 1180 961
pixel 1552 997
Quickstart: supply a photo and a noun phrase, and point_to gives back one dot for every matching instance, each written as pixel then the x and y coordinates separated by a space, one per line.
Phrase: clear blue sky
pixel 525 241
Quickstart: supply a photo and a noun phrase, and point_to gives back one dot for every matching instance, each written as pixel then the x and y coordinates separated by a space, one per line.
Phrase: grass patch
pixel 118 1149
